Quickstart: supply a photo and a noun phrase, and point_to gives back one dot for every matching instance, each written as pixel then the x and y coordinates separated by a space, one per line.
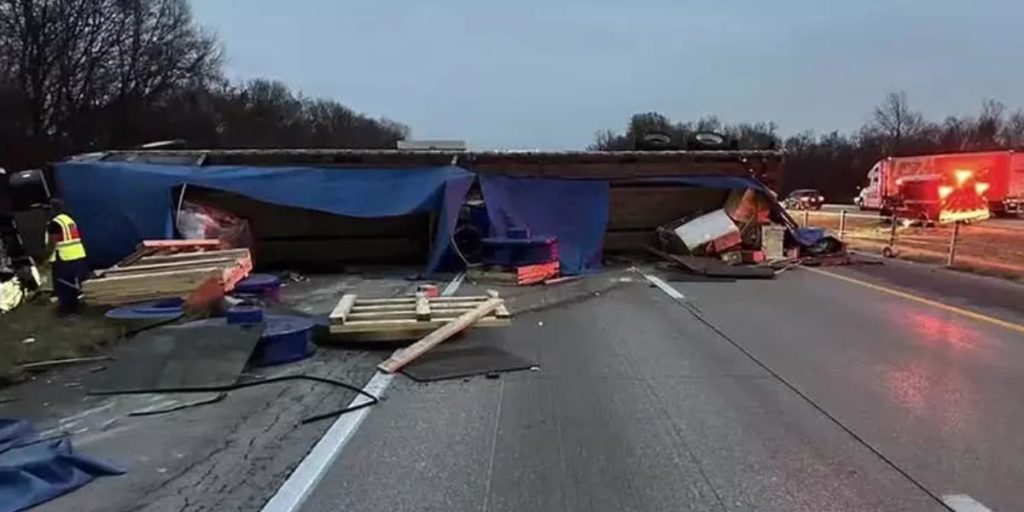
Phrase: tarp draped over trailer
pixel 117 204
pixel 575 211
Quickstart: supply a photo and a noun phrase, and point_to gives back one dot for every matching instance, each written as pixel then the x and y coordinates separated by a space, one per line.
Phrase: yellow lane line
pixel 909 296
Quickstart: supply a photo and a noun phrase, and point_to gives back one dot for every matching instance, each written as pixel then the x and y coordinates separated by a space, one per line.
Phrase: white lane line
pixel 300 484
pixel 302 481
pixel 453 286
pixel 665 287
pixel 963 503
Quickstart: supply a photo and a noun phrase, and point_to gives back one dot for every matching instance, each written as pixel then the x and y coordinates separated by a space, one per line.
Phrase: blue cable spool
pixel 287 338
pixel 165 309
pixel 244 314
pixel 262 285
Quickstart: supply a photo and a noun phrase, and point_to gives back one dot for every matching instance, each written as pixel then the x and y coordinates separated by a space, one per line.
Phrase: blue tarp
pixel 119 204
pixel 575 211
pixel 35 471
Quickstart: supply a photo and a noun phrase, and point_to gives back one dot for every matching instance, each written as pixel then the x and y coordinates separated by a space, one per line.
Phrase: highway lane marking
pixel 453 286
pixel 665 287
pixel 963 503
pixel 916 298
pixel 300 484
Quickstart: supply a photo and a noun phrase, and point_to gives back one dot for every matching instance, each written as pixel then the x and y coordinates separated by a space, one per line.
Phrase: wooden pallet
pixel 170 268
pixel 357 319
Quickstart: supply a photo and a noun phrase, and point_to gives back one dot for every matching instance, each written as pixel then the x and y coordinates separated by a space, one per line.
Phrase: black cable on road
pixel 373 400
pixel 863 442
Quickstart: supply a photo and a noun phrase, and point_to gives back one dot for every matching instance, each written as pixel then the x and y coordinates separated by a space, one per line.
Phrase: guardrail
pixel 988 247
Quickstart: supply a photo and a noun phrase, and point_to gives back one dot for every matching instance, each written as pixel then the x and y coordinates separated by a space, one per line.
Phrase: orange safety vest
pixel 69 241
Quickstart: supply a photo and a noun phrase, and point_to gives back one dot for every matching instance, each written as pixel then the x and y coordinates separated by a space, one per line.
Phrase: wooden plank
pixel 412 300
pixel 343 307
pixel 412 352
pixel 136 278
pixel 408 314
pixel 169 258
pixel 360 308
pixel 358 326
pixel 177 265
pixel 190 245
pixel 410 324
pixel 398 335
pixel 422 307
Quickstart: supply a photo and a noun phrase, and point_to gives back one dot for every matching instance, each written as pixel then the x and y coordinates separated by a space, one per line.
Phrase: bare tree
pixel 895 121
pixel 1012 135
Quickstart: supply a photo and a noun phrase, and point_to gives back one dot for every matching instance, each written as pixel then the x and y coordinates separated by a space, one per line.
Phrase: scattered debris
pixel 261 382
pixel 562 280
pixel 197 354
pixel 518 276
pixel 193 269
pixel 403 318
pixel 58 363
pixel 711 267
pixel 457 360
pixel 8 399
pixel 708 234
pixel 177 405
pixel 38 469
pixel 450 328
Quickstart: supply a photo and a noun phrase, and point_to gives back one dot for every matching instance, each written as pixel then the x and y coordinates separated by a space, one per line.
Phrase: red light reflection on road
pixel 931 392
pixel 938 329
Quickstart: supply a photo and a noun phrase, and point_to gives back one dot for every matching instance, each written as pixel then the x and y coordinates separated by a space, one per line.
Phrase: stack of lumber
pixel 515 276
pixel 356 319
pixel 165 269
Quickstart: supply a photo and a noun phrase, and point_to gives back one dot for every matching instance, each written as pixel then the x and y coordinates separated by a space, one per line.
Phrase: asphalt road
pixel 643 402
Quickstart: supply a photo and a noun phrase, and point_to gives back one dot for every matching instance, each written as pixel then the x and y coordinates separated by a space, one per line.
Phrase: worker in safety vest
pixel 67 257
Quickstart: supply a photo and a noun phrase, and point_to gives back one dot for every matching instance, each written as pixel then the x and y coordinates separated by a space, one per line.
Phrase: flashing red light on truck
pixel 962 175
pixel 998 176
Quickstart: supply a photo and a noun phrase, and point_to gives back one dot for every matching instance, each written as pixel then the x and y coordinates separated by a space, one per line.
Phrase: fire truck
pixel 947 188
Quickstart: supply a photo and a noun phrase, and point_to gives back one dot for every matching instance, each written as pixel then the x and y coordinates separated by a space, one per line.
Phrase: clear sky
pixel 550 73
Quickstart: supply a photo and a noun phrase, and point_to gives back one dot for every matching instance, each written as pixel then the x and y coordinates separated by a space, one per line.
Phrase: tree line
pixel 837 163
pixel 86 75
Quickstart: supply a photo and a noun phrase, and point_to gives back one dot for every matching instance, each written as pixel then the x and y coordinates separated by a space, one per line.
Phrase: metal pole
pixel 842 225
pixel 889 251
pixel 952 244
pixel 807 217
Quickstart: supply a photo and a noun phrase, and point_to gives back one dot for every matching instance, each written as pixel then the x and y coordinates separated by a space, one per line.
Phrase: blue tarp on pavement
pixel 35 471
pixel 119 204
pixel 575 211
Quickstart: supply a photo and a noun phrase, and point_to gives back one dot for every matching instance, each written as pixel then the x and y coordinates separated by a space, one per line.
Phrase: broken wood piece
pixel 343 307
pixel 560 280
pixel 412 352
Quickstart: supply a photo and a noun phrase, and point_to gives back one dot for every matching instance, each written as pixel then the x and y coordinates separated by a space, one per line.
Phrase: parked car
pixel 804 199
